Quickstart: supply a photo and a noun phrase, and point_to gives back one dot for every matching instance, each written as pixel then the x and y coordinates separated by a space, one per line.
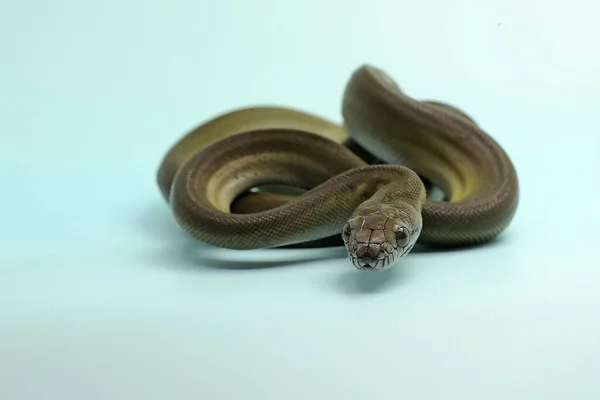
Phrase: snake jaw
pixel 376 242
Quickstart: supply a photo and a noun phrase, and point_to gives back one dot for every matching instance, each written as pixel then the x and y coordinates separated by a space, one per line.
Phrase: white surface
pixel 102 296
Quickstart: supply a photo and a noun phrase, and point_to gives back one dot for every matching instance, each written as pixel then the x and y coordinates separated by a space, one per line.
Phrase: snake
pixel 364 182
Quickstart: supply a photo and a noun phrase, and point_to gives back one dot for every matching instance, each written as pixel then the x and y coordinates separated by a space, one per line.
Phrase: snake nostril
pixel 362 250
pixel 373 251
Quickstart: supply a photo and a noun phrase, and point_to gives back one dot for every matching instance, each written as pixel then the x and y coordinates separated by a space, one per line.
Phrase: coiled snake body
pixel 379 210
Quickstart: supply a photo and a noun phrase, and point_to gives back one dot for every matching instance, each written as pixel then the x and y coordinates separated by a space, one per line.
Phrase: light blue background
pixel 102 295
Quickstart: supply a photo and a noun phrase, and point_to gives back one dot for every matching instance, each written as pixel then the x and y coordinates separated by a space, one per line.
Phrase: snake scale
pixel 363 182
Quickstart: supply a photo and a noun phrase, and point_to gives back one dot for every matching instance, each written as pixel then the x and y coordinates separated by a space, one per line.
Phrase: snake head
pixel 376 242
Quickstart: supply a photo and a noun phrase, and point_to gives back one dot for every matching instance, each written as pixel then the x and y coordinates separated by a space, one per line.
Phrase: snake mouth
pixel 369 264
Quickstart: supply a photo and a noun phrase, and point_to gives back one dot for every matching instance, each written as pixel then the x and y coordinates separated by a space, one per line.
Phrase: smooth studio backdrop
pixel 103 296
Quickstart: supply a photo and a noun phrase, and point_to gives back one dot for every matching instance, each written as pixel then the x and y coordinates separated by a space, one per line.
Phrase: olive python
pixel 362 182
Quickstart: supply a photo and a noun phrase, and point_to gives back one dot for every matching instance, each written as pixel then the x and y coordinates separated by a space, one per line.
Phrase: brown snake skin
pixel 379 211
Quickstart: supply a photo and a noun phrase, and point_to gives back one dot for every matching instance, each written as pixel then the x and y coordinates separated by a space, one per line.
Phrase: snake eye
pixel 346 232
pixel 402 236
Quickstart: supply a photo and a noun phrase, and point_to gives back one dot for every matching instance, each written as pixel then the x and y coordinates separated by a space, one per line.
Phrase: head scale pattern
pixel 376 242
